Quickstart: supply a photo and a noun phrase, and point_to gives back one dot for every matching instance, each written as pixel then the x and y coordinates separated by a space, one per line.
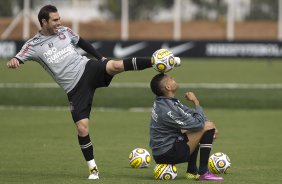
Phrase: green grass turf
pixel 40 146
pixel 130 97
pixel 251 71
pixel 192 71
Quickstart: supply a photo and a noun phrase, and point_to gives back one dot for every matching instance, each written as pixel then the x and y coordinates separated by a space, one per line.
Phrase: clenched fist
pixel 190 96
pixel 13 63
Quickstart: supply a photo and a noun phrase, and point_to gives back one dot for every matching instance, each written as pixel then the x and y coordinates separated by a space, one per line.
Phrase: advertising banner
pixel 122 49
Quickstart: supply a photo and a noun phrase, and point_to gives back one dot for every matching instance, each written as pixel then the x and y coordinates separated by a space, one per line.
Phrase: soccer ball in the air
pixel 219 163
pixel 163 60
pixel 139 158
pixel 165 172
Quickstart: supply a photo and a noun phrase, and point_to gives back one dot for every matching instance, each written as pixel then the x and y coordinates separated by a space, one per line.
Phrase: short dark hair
pixel 156 84
pixel 44 13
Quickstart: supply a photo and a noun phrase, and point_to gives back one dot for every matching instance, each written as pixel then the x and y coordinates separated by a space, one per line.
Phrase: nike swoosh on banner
pixel 96 45
pixel 121 52
pixel 179 48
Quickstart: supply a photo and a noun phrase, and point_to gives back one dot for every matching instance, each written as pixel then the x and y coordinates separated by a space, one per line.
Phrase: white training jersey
pixel 57 55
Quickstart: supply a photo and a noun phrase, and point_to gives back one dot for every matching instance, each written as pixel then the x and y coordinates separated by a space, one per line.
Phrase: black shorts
pixel 81 96
pixel 179 153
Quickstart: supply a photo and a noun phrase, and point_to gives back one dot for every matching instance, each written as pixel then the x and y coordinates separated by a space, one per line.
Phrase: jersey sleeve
pixel 191 120
pixel 73 36
pixel 26 53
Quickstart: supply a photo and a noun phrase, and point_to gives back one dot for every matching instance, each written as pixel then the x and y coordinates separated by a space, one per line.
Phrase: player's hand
pixel 190 96
pixel 13 63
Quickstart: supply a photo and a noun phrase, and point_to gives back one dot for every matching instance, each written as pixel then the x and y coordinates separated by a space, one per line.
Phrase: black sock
pixel 192 164
pixel 86 147
pixel 136 63
pixel 205 149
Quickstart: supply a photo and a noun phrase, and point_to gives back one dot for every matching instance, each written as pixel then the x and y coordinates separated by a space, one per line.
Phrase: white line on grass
pixel 64 108
pixel 146 85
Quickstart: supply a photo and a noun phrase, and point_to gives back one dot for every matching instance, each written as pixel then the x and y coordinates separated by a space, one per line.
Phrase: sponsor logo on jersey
pixel 174 118
pixel 154 114
pixel 185 113
pixel 55 56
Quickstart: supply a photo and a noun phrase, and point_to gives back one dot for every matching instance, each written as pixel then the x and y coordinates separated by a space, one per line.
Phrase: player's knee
pixel 82 128
pixel 114 67
pixel 209 125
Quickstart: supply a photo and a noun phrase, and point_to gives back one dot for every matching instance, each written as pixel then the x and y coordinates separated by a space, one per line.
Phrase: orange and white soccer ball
pixel 165 172
pixel 139 158
pixel 219 163
pixel 163 60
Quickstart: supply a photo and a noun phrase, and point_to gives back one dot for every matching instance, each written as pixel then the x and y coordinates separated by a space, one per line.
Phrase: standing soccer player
pixel 177 132
pixel 53 47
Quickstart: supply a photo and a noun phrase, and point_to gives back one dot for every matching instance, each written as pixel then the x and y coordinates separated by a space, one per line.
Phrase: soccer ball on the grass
pixel 219 163
pixel 163 60
pixel 165 172
pixel 139 158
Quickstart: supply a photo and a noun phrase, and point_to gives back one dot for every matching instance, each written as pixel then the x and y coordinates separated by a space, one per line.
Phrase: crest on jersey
pixel 62 36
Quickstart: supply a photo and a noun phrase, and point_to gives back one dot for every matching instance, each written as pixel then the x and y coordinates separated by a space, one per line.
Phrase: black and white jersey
pixel 57 55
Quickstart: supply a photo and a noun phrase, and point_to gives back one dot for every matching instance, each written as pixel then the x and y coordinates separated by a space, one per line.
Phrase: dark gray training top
pixel 168 117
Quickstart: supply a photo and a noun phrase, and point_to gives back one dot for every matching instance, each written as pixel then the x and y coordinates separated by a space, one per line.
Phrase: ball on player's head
pixel 139 158
pixel 165 172
pixel 163 60
pixel 219 163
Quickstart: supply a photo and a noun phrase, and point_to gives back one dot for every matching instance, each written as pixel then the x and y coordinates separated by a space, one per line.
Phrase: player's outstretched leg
pixel 136 63
pixel 114 67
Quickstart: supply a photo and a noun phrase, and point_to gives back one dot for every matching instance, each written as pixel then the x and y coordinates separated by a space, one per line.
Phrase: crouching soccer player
pixel 177 132
pixel 53 48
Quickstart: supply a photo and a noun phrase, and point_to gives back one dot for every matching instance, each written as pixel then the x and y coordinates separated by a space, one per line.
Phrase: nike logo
pixel 121 52
pixel 96 45
pixel 176 50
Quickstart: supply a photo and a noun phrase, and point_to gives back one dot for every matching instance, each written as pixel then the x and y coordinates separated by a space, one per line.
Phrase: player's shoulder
pixel 64 29
pixel 165 103
pixel 35 40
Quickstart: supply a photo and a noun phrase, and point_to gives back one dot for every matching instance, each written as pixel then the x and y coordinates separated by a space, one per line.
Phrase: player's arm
pixel 87 47
pixel 187 120
pixel 190 96
pixel 13 63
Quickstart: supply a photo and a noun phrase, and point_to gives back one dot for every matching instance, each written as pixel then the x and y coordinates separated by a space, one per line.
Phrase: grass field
pixel 191 71
pixel 39 144
pixel 221 71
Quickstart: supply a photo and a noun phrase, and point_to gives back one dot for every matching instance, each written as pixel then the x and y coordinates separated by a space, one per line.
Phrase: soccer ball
pixel 219 163
pixel 165 172
pixel 163 60
pixel 139 158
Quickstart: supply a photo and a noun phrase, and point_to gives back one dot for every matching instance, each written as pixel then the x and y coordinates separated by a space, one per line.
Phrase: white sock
pixel 91 164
